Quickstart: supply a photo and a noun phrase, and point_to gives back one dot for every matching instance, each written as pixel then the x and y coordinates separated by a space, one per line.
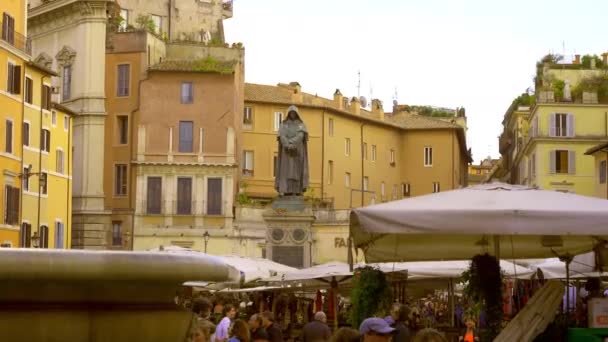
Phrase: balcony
pixel 16 39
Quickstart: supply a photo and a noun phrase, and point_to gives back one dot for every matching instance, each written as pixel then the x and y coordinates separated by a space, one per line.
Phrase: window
pixel 561 125
pixel 405 189
pixel 59 161
pixel 374 153
pixel 26 134
pixel 11 205
pixel 122 123
pixel 59 235
pixel 158 23
pixel 153 198
pixel 275 160
pixel 364 151
pixel 45 140
pixel 25 179
pixel 29 90
pixel 44 177
pixel 185 136
pixel 25 235
pixel 392 157
pixel 214 196
pixel 365 183
pixel 347 146
pixel 382 190
pixel 120 179
pixel 436 187
pixel 248 117
pixel 394 192
pixel 122 82
pixel 428 156
pixel 330 172
pixel 187 93
pixel 67 82
pixel 46 97
pixel 44 237
pixel 347 179
pixel 562 161
pixel 278 118
pixel 124 14
pixel 116 233
pixel 184 196
pixel 248 163
pixel 13 82
pixel 331 127
pixel 66 123
pixel 8 28
pixel 602 172
pixel 8 141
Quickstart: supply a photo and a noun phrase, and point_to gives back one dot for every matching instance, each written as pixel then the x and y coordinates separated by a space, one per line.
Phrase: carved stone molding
pixel 45 60
pixel 66 56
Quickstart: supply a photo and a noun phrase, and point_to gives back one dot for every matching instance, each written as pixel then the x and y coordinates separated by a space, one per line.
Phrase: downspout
pixel 40 155
pixel 323 155
pixel 169 3
pixel 69 195
pixel 453 134
pixel 133 199
pixel 22 173
pixel 362 169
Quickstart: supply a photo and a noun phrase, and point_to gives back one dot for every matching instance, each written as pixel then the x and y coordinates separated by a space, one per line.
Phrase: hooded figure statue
pixel 292 162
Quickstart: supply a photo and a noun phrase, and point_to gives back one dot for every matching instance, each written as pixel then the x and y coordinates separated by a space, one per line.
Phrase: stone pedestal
pixel 289 236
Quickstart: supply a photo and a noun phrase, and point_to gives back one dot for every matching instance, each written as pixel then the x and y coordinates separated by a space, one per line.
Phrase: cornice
pixel 63 13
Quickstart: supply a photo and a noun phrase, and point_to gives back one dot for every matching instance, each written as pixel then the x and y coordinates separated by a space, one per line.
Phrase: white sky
pixel 479 54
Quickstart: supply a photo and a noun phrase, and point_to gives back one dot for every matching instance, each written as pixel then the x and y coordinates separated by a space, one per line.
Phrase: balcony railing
pixel 16 39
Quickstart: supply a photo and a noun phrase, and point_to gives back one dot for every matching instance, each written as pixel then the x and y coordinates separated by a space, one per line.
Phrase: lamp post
pixel 36 240
pixel 206 237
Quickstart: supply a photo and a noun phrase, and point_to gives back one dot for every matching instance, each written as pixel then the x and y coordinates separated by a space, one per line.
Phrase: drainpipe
pixel 362 169
pixel 453 134
pixel 21 172
pixel 132 194
pixel 40 158
pixel 323 155
pixel 169 3
pixel 67 190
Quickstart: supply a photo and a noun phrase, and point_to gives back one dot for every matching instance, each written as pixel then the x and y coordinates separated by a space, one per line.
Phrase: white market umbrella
pixel 515 221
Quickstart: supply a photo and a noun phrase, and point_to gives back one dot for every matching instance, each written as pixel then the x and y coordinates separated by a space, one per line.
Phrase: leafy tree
pixel 371 295
pixel 145 22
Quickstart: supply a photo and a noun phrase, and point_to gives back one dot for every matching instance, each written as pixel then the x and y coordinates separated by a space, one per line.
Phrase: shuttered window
pixel 46 97
pixel 120 180
pixel 123 129
pixel 561 125
pixel 374 152
pixel 26 134
pixel 122 83
pixel 184 196
pixel 25 235
pixel 45 140
pixel 405 189
pixel 59 235
pixel 436 187
pixel 428 156
pixel 11 205
pixel 214 196
pixel 248 117
pixel 44 177
pixel 44 237
pixel 8 28
pixel 29 90
pixel 187 94
pixel 562 162
pixel 59 161
pixel 278 118
pixel 330 172
pixel 331 127
pixel 8 141
pixel 13 80
pixel 247 163
pixel 154 194
pixel 117 233
pixel 185 136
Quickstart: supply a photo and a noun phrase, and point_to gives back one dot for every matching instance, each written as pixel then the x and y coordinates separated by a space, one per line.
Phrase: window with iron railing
pixel 12 37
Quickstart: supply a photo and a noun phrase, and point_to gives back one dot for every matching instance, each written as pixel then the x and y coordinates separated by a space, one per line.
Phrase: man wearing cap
pixel 376 330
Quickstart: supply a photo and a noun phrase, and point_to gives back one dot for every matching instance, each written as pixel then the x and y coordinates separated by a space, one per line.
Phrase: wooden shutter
pixel 184 196
pixel 58 235
pixel 44 237
pixel 11 216
pixel 154 195
pixel 5 25
pixel 570 125
pixel 9 78
pixel 214 196
pixel 17 79
pixel 11 29
pixel 8 147
pixel 552 125
pixel 571 162
pixel 552 168
pixel 26 235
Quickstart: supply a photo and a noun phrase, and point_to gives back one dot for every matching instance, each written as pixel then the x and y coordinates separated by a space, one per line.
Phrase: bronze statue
pixel 292 162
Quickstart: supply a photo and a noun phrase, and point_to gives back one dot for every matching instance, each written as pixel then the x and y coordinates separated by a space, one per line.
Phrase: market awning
pixel 516 221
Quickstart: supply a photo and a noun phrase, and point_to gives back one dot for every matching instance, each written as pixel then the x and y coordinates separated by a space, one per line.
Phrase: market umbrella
pixel 510 220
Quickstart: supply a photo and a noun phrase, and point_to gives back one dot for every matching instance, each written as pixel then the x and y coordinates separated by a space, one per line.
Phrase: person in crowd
pixel 256 326
pixel 202 308
pixel 200 334
pixel 399 315
pixel 221 332
pixel 274 331
pixel 429 335
pixel 316 330
pixel 346 335
pixel 376 330
pixel 240 332
pixel 469 334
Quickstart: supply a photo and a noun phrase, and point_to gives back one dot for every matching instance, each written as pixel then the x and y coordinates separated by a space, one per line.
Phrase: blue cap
pixel 377 325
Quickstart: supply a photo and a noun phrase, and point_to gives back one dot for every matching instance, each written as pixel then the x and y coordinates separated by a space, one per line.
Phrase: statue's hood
pixel 295 109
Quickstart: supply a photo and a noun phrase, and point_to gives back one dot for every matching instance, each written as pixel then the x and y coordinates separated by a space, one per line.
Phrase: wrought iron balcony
pixel 16 39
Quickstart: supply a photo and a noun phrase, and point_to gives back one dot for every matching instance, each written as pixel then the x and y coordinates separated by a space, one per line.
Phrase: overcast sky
pixel 479 54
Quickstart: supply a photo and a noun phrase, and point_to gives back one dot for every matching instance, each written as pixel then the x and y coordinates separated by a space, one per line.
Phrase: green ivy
pixel 371 295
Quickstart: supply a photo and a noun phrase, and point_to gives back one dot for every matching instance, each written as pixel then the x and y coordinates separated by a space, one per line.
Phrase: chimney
pixel 577 59
pixel 605 58
pixel 338 103
pixel 355 106
pixel 377 109
pixel 296 96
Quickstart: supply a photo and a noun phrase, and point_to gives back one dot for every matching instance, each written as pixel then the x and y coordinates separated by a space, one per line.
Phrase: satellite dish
pixel 363 101
pixel 395 103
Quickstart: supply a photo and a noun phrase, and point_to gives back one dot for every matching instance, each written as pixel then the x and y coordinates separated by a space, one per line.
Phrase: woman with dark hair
pixel 240 332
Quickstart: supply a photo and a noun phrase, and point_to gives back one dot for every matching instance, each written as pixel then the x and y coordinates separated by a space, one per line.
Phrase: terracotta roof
pixel 197 65
pixel 415 121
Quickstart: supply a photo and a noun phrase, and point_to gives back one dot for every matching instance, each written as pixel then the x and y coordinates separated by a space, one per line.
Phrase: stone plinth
pixel 289 236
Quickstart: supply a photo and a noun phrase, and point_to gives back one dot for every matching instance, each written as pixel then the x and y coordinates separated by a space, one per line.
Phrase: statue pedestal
pixel 289 237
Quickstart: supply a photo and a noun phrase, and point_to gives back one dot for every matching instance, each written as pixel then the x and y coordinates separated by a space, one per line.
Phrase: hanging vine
pixel 371 295
pixel 484 288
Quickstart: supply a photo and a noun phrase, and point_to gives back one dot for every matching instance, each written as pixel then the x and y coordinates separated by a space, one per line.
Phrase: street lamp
pixel 206 237
pixel 35 240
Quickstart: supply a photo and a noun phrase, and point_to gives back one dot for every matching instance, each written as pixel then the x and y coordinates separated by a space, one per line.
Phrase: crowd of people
pixel 262 327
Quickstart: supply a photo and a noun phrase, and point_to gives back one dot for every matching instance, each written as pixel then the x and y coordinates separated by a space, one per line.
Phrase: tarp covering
pixel 456 225
pixel 582 266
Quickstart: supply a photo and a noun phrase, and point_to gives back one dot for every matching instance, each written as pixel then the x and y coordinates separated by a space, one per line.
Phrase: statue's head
pixel 293 113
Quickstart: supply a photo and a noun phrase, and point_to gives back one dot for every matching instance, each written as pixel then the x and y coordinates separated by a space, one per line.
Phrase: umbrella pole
pixel 452 308
pixel 567 259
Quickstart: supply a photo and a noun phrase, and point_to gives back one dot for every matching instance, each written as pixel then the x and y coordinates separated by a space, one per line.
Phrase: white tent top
pixel 457 224
pixel 582 266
